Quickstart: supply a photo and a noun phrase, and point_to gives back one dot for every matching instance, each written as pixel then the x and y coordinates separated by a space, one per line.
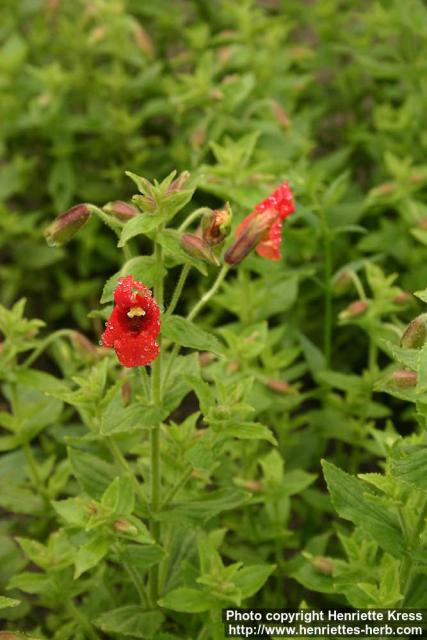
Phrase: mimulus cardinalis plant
pixel 151 488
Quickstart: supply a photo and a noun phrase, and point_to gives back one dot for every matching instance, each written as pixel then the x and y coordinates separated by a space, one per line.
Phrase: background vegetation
pixel 330 95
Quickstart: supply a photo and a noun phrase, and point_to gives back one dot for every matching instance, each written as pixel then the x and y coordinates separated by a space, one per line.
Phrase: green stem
pixel 208 295
pixel 177 486
pixel 145 381
pixel 81 620
pixel 327 322
pixel 178 290
pixel 373 357
pixel 135 577
pixel 106 219
pixel 193 216
pixel 34 473
pixel 156 396
pixel 124 465
pixel 357 284
pixel 46 342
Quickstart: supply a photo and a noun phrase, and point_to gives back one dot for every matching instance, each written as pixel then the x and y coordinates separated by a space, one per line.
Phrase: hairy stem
pixel 178 289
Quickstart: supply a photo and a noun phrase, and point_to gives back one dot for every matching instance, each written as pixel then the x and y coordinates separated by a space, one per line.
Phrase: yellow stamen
pixel 135 312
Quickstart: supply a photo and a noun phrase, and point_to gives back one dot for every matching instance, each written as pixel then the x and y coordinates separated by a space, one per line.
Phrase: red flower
pixel 263 227
pixel 134 324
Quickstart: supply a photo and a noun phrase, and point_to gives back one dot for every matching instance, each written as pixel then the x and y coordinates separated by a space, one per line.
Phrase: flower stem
pixel 208 295
pixel 327 323
pixel 81 620
pixel 178 290
pixel 193 216
pixel 124 465
pixel 45 343
pixel 156 397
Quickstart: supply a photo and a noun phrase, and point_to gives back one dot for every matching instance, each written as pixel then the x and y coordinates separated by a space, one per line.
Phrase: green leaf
pixel 73 510
pixel 350 499
pixel 412 468
pixel 93 474
pixel 187 334
pixel 143 556
pixel 91 554
pixel 250 579
pixel 131 620
pixel 119 419
pixel 203 391
pixel 142 224
pixel 248 431
pixel 407 357
pixel 8 602
pixel 209 505
pixel 422 370
pixel 188 600
pixel 120 496
pixel 422 294
pixel 31 582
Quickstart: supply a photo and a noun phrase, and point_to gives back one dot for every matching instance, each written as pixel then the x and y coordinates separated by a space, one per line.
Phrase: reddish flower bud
pixel 121 210
pixel 252 485
pixel 403 298
pixel 280 115
pixel 403 379
pixel 415 333
pixel 145 203
pixel 216 225
pixel 179 183
pixel 279 386
pixel 198 248
pixel 84 346
pixel 65 226
pixel 205 358
pixel 250 236
pixel 324 565
pixel 143 41
pixel 124 526
pixel 356 308
pixel 126 393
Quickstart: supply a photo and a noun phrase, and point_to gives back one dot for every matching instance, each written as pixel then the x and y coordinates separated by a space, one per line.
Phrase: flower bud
pixel 356 308
pixel 403 379
pixel 121 210
pixel 342 282
pixel 402 298
pixel 197 248
pixel 216 225
pixel 280 115
pixel 145 203
pixel 83 346
pixel 324 565
pixel 252 485
pixel 65 226
pixel 179 183
pixel 279 386
pixel 250 237
pixel 415 333
pixel 206 358
pixel 124 526
pixel 126 393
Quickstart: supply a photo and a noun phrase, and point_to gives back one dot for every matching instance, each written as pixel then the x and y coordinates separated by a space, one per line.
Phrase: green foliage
pixel 266 369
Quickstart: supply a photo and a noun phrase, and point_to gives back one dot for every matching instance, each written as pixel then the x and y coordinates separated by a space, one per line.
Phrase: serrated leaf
pixel 119 497
pixel 91 554
pixel 131 620
pixel 250 579
pixel 348 498
pixel 412 468
pixel 142 224
pixel 93 474
pixel 187 334
pixel 188 600
pixel 209 505
pixel 248 431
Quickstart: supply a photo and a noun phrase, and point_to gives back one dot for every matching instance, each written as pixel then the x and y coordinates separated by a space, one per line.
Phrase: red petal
pixel 137 350
pixel 269 247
